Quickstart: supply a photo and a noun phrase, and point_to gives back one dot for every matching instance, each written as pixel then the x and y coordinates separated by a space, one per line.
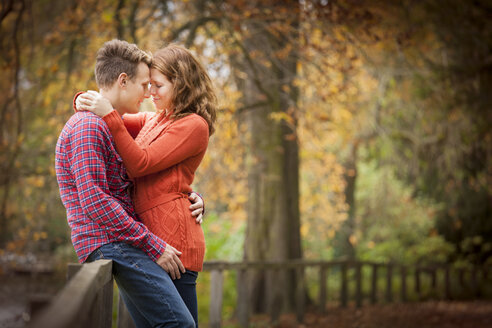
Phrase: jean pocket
pixel 96 255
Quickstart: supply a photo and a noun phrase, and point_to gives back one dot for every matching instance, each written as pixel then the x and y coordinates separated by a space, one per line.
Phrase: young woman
pixel 167 150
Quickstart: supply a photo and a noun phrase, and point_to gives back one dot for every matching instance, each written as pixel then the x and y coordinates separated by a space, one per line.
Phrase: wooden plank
pixel 344 286
pixel 242 303
pixel 403 272
pixel 275 278
pixel 418 289
pixel 474 282
pixel 300 290
pixel 322 289
pixel 358 285
pixel 72 270
pixel 447 283
pixel 461 277
pixel 216 293
pixel 124 318
pixel 278 264
pixel 389 283
pixel 72 305
pixel 374 283
pixel 101 309
pixel 433 274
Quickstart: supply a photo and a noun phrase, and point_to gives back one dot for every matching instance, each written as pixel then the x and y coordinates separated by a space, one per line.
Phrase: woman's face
pixel 161 90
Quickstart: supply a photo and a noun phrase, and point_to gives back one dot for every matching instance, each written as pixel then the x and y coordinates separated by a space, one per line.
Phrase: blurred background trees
pixel 347 128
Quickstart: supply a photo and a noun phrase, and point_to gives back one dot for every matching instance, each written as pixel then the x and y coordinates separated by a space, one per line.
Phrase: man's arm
pixel 88 160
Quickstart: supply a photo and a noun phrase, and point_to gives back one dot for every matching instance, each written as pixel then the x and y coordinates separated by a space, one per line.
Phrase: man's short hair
pixel 116 57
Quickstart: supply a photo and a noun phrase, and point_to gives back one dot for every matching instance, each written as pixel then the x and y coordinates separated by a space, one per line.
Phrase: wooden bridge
pixel 87 298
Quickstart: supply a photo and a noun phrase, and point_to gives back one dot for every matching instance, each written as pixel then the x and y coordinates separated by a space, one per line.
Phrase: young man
pixel 93 188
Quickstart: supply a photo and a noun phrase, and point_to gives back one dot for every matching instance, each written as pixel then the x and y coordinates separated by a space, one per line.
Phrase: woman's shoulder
pixel 193 119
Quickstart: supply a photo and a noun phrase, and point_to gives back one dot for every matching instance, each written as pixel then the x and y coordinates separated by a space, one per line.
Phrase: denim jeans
pixel 147 290
pixel 186 287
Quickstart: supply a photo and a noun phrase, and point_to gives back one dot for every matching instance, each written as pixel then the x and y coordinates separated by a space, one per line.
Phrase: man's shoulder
pixel 87 123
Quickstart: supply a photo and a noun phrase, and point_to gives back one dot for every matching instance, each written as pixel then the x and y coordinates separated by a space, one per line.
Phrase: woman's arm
pixel 185 138
pixel 133 122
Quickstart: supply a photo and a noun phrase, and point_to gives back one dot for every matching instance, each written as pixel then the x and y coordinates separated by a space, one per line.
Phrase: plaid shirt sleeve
pixel 88 159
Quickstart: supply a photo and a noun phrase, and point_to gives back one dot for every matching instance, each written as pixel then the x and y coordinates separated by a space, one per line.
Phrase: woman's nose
pixel 152 90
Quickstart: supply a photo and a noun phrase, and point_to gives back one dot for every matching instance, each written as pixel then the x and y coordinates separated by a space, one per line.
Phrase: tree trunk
pixel 273 227
pixel 344 246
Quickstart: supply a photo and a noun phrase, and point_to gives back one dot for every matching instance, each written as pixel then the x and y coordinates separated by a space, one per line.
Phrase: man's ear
pixel 122 80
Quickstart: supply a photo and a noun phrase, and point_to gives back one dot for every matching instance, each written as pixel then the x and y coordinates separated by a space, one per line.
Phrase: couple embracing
pixel 125 177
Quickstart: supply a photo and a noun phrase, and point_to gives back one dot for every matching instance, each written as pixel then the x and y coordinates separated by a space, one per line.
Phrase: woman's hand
pixel 94 102
pixel 197 207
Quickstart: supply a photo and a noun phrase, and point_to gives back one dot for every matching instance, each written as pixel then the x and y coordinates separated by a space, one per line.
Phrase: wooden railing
pixel 87 299
pixel 470 282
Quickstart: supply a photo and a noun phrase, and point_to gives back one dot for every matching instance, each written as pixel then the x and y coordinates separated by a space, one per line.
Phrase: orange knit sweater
pixel 162 161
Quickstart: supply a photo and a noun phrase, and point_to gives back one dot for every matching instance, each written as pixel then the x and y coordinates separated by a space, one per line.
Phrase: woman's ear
pixel 122 80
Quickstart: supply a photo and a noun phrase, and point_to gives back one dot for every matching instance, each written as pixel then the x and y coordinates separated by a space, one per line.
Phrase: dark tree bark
pixel 273 227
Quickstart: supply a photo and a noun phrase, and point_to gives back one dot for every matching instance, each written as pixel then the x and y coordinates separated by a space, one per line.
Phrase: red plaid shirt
pixel 93 187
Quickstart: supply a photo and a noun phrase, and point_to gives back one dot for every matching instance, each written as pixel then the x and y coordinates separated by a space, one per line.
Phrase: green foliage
pixel 393 225
pixel 224 240
pixel 223 237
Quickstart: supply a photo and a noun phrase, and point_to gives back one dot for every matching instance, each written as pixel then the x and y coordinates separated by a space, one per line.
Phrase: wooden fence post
pixel 274 305
pixel 124 318
pixel 418 289
pixel 101 313
pixel 322 289
pixel 374 283
pixel 403 283
pixel 447 283
pixel 216 286
pixel 433 272
pixel 72 269
pixel 358 284
pixel 84 302
pixel 300 290
pixel 474 282
pixel 461 277
pixel 389 283
pixel 344 286
pixel 242 299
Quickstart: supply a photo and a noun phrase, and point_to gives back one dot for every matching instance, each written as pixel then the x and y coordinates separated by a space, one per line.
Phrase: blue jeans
pixel 147 290
pixel 186 287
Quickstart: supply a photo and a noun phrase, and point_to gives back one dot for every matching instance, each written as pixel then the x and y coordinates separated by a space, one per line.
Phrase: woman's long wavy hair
pixel 193 91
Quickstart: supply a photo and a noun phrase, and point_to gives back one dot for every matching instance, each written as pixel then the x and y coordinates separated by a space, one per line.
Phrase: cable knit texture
pixel 162 161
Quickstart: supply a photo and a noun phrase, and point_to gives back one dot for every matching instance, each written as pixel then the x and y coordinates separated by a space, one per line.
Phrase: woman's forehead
pixel 157 76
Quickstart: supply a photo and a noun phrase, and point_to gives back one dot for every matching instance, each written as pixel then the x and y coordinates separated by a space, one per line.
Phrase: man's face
pixel 136 90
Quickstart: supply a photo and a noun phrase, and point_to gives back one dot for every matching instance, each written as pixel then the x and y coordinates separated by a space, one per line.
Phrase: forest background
pixel 354 128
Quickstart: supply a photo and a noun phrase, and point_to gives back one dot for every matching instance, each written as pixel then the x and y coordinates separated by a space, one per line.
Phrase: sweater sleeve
pixel 185 138
pixel 135 122
pixel 75 99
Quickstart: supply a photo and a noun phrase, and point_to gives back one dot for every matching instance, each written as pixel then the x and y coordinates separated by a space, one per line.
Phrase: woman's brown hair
pixel 193 91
